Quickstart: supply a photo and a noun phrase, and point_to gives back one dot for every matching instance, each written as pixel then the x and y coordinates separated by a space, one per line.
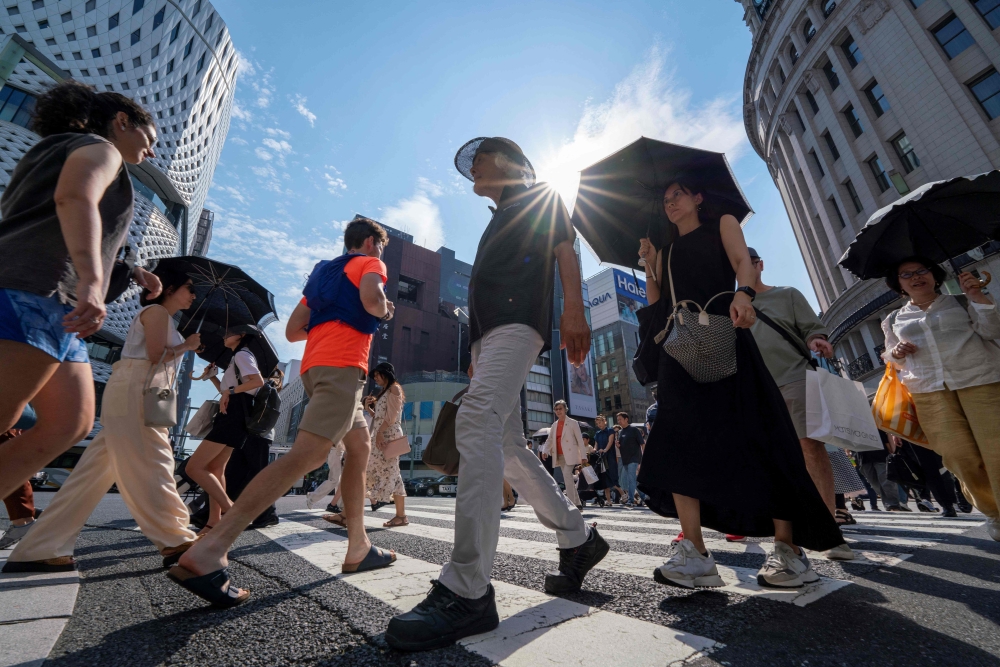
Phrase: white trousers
pixel 490 438
pixel 136 457
pixel 336 465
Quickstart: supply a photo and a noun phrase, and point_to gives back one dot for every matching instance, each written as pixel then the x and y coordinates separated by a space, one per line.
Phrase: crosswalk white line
pixel 535 628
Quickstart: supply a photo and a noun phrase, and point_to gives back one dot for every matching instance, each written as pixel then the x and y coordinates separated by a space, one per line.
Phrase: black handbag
pixel 902 467
pixel 265 407
pixel 121 276
pixel 441 453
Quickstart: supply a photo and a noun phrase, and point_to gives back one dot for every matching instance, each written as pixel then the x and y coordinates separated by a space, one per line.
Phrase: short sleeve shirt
pixel 247 364
pixel 514 272
pixel 630 444
pixel 335 343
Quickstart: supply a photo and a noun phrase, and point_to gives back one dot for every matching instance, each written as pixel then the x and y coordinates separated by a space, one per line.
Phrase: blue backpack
pixel 331 296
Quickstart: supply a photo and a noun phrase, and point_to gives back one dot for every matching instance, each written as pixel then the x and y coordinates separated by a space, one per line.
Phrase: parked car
pixel 39 480
pixel 446 485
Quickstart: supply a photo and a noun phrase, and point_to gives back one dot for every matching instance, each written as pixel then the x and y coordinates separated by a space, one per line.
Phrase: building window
pixel 614 364
pixel 408 291
pixel 184 82
pixel 877 98
pixel 11 11
pixel 853 53
pixel 812 102
pixel 135 36
pixel 201 63
pixel 119 68
pixel 197 8
pixel 878 171
pixel 156 77
pixel 95 53
pixel 188 47
pixel 50 42
pixel 137 62
pixel 987 91
pixel 953 37
pixel 155 51
pixel 92 31
pixel 16 106
pixel 115 47
pixel 916 3
pixel 836 209
pixel 828 7
pixel 604 368
pixel 611 342
pixel 855 199
pixel 113 22
pixel 904 149
pixel 20 28
pixel 170 66
pixel 607 384
pixel 90 6
pixel 607 402
pixel 599 344
pixel 137 5
pixel 618 402
pixel 818 164
pixel 38 4
pixel 209 22
pixel 158 18
pixel 809 31
pixel 832 146
pixel 990 11
pixel 42 25
pixel 831 75
pixel 853 120
pixel 77 55
pixel 175 32
pixel 793 54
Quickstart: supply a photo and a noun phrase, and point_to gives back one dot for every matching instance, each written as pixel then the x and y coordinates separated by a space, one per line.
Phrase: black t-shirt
pixel 512 278
pixel 630 444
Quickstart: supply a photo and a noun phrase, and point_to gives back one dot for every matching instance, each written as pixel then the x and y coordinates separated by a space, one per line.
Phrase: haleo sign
pixel 628 286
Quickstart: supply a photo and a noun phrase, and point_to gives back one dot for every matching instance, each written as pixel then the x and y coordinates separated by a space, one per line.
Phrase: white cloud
pixel 275 132
pixel 263 154
pixel 241 114
pixel 280 147
pixel 300 105
pixel 239 141
pixel 246 67
pixel 419 215
pixel 334 185
pixel 232 192
pixel 646 103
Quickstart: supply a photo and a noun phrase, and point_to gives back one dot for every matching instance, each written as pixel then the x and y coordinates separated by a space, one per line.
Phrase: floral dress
pixel 383 477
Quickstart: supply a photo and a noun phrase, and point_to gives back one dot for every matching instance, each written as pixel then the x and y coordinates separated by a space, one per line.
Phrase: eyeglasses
pixel 906 275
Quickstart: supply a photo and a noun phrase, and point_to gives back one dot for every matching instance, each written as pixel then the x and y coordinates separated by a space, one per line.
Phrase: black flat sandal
pixel 376 559
pixel 214 587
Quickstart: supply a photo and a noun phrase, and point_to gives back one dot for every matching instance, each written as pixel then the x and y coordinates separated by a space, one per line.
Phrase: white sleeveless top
pixel 135 341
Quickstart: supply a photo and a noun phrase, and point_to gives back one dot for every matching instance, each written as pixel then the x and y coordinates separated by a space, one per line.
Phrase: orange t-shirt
pixel 335 343
pixel 559 438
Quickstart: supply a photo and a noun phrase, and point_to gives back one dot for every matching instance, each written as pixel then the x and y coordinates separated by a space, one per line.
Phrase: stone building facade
pixel 854 103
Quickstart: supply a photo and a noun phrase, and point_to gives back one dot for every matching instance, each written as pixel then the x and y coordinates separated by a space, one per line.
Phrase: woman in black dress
pixel 722 454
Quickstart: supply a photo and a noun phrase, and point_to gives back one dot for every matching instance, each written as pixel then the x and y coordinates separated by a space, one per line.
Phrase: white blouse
pixel 955 347
pixel 135 340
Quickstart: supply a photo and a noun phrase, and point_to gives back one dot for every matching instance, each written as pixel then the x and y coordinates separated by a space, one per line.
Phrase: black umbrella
pixel 213 349
pixel 938 220
pixel 226 295
pixel 620 199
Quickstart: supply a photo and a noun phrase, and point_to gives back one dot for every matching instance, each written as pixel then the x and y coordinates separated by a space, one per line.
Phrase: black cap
pixel 466 155
pixel 753 253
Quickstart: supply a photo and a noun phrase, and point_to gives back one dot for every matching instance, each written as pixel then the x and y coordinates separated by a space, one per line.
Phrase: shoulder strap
pixel 794 342
pixel 236 367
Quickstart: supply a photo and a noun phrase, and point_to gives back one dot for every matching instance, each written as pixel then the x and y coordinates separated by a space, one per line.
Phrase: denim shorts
pixel 38 321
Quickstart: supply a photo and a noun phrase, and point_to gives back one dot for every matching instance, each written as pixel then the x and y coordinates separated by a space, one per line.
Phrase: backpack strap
pixel 794 342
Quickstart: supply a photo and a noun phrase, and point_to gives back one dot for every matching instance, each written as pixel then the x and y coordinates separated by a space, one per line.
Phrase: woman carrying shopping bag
pixel 945 356
pixel 239 384
pixel 138 458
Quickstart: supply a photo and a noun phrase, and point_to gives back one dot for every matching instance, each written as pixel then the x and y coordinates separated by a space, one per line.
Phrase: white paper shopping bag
pixel 837 412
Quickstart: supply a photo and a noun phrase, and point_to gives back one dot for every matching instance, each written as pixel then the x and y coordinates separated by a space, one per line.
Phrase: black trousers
pixel 939 484
pixel 242 467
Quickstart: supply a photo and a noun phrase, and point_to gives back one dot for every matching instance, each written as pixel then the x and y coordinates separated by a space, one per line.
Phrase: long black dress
pixel 731 444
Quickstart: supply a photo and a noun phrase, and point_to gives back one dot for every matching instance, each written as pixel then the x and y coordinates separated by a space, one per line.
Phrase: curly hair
pixel 892 277
pixel 72 106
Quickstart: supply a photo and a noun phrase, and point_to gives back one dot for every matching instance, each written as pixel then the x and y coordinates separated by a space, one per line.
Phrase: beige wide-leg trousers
pixel 126 452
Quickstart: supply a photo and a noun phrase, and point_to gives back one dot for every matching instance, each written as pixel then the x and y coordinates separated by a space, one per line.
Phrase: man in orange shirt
pixel 343 305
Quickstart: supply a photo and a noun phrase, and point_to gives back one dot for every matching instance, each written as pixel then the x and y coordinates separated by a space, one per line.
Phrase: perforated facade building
pixel 853 103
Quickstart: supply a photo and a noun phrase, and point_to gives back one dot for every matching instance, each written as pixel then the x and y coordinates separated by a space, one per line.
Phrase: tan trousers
pixel 126 452
pixel 963 427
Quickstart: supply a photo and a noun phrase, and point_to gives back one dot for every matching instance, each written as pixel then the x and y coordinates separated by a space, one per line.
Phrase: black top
pixel 512 278
pixel 701 269
pixel 630 444
pixel 31 242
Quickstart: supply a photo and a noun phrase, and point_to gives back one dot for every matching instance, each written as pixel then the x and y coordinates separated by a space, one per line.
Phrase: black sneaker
pixel 964 508
pixel 575 563
pixel 265 520
pixel 442 619
pixel 333 509
pixel 949 511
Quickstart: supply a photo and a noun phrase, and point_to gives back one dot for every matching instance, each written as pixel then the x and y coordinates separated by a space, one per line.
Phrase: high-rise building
pixel 175 58
pixel 853 103
pixel 615 296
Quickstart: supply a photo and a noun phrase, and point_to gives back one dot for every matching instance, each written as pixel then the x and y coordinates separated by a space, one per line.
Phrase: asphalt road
pixel 927 592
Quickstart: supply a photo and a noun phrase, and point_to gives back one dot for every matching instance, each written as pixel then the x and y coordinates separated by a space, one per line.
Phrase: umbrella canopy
pixel 620 199
pixel 214 351
pixel 226 295
pixel 938 220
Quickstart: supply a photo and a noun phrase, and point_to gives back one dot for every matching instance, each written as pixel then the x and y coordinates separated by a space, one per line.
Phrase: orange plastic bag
pixel 894 410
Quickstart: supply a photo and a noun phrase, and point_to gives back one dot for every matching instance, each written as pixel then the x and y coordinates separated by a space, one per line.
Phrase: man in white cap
pixel 510 313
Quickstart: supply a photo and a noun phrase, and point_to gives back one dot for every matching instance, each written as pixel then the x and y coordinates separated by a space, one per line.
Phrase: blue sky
pixel 347 108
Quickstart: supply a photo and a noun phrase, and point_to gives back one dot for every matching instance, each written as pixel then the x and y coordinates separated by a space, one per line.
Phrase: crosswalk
pixel 536 627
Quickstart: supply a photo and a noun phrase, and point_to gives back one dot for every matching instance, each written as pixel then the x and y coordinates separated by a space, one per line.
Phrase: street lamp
pixel 463 318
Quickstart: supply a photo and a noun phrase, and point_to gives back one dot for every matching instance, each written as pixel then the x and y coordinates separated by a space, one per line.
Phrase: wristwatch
pixel 749 291
pixel 232 390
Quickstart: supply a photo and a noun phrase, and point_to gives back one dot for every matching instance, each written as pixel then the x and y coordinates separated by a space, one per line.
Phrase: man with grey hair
pixel 510 318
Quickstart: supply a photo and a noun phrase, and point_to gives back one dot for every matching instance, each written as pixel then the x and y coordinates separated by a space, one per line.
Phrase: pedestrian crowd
pixel 726 446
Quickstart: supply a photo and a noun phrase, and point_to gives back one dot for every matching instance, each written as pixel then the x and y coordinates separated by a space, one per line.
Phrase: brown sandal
pixel 335 519
pixel 396 522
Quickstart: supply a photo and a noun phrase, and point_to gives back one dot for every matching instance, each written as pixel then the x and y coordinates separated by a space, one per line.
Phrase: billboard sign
pixel 582 397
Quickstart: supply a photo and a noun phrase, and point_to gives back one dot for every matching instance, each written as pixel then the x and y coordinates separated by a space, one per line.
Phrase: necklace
pixel 923 303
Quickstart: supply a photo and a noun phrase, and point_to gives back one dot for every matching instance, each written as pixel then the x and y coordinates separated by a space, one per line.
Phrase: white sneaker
pixel 13 535
pixel 842 552
pixel 689 568
pixel 993 528
pixel 784 569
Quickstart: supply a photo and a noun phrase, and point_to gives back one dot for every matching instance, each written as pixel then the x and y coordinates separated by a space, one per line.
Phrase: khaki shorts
pixel 334 401
pixel 794 394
